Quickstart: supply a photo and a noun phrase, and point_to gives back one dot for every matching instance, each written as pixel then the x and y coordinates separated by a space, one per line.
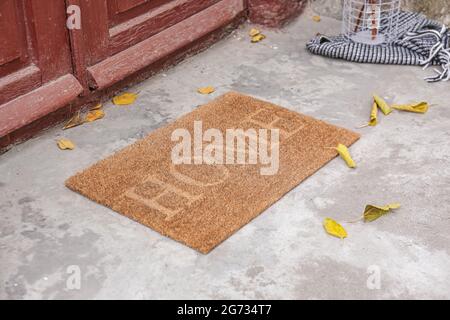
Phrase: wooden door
pixel 124 36
pixel 34 51
pixel 44 66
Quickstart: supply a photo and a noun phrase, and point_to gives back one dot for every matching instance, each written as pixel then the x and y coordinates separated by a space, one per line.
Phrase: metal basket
pixel 372 22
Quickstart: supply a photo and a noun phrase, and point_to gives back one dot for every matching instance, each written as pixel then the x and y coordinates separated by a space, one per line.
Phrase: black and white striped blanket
pixel 421 42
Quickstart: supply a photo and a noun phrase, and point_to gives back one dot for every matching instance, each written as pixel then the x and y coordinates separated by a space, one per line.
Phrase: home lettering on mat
pixel 164 191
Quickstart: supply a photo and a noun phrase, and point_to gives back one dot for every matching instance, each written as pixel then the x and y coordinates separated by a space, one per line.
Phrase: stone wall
pixel 436 9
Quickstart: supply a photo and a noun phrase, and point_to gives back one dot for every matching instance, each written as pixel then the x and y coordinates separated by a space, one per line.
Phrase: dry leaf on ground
pixel 97 107
pixel 254 32
pixel 373 122
pixel 372 213
pixel 345 154
pixel 335 229
pixel 259 37
pixel 75 121
pixel 65 144
pixel 206 90
pixel 383 105
pixel 125 99
pixel 316 18
pixel 421 107
pixel 95 115
pixel 374 115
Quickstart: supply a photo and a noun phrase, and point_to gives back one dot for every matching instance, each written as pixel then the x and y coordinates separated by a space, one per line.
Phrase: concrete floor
pixel 284 253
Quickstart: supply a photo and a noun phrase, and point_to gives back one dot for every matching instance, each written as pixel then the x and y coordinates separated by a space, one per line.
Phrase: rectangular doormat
pixel 199 186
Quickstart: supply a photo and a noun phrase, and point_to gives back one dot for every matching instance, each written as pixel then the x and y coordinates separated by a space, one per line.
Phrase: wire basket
pixel 372 22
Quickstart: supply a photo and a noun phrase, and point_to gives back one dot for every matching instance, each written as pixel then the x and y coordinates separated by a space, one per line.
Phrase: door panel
pixel 13 48
pixel 51 37
pixel 18 73
pixel 144 26
pixel 164 44
pixel 115 25
pixel 122 10
pixel 10 46
pixel 34 54
pixel 126 5
pixel 34 46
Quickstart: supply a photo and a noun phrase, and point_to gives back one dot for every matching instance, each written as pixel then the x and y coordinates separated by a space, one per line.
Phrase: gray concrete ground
pixel 284 253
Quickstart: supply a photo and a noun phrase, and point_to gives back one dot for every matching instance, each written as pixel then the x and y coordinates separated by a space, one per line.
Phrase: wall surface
pixel 436 9
pixel 274 13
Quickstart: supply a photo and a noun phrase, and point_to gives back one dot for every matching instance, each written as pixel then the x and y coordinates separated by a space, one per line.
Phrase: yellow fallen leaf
pixel 345 154
pixel 259 37
pixel 374 116
pixel 65 144
pixel 75 121
pixel 254 32
pixel 125 99
pixel 394 206
pixel 335 229
pixel 206 90
pixel 316 18
pixel 382 104
pixel 372 213
pixel 94 115
pixel 97 107
pixel 421 107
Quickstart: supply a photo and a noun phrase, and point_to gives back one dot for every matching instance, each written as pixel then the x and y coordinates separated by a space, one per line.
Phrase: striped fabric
pixel 421 42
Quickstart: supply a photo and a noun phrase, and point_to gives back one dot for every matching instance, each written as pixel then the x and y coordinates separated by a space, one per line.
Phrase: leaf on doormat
pixel 335 229
pixel 75 121
pixel 372 213
pixel 206 90
pixel 316 18
pixel 65 144
pixel 383 105
pixel 95 115
pixel 254 32
pixel 125 99
pixel 259 37
pixel 345 154
pixel 374 115
pixel 421 107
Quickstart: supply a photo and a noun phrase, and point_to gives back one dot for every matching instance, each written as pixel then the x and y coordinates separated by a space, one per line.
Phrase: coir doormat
pixel 209 173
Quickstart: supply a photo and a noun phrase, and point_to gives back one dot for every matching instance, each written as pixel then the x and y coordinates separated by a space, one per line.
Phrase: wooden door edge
pixel 38 103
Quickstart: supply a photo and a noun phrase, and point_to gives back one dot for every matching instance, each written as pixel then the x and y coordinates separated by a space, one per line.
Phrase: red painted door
pixel 44 66
pixel 34 52
pixel 114 32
